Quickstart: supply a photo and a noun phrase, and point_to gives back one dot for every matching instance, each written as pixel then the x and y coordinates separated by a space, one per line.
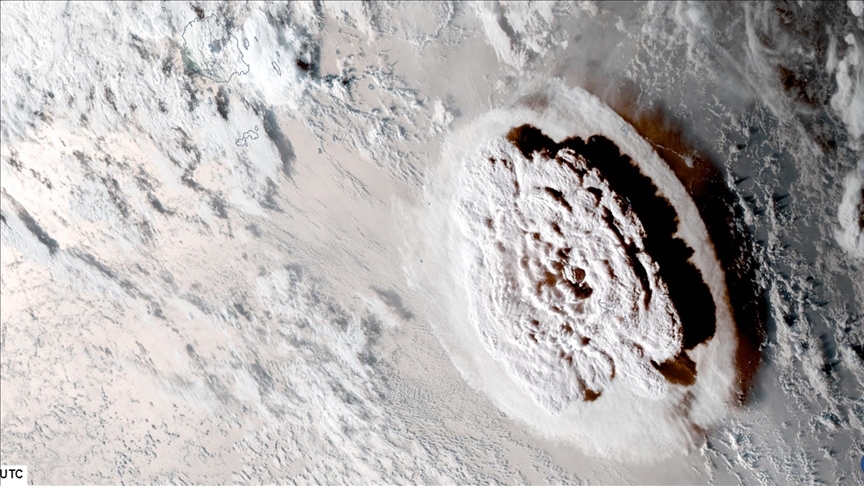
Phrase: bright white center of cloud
pixel 560 287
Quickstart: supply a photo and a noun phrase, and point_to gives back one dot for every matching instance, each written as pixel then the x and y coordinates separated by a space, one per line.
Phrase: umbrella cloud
pixel 578 277
pixel 587 295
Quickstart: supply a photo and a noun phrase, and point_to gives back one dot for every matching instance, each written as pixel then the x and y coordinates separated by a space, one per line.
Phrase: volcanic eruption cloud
pixel 583 292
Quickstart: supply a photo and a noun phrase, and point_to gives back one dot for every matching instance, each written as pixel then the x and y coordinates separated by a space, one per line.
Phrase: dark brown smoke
pixel 719 208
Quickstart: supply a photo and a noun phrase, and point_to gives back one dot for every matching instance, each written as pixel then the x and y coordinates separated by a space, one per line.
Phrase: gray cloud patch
pixel 283 145
pixel 34 227
pixel 394 302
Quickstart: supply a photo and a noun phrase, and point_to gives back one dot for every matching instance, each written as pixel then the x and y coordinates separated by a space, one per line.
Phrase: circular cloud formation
pixel 570 276
pixel 566 287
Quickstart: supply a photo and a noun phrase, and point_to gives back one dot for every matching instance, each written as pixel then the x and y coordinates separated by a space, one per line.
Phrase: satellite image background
pixel 217 221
